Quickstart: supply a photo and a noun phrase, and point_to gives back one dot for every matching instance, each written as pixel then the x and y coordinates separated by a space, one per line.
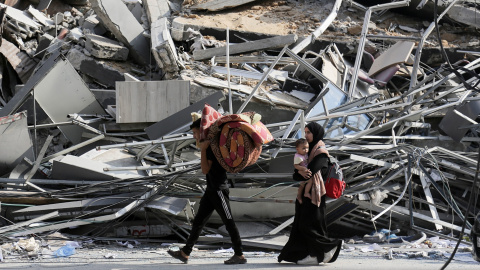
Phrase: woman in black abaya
pixel 309 242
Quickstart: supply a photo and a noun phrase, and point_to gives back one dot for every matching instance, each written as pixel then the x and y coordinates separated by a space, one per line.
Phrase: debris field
pixel 96 99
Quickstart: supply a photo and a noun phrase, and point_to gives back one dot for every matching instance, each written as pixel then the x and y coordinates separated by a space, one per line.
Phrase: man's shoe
pixel 178 255
pixel 309 260
pixel 236 260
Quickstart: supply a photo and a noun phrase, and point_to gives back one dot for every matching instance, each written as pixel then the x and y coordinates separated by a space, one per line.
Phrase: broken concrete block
pixel 156 9
pixel 163 48
pixel 43 42
pixel 93 25
pixel 120 21
pixel 20 22
pixel 102 47
pixel 99 71
pixel 75 35
pixel 150 101
pixel 39 16
pixel 177 30
pixel 58 18
pixel 57 45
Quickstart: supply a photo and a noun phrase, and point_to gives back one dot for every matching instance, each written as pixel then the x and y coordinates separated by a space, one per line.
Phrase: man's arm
pixel 205 163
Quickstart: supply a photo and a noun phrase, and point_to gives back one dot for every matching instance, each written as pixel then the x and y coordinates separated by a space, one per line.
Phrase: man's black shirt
pixel 217 176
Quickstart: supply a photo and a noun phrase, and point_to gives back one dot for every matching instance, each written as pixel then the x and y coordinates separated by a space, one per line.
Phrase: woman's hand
pixel 306 174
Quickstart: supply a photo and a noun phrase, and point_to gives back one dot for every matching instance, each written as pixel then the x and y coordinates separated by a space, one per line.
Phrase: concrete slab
pixel 99 71
pixel 102 47
pixel 466 15
pixel 92 24
pixel 20 22
pixel 150 101
pixel 267 43
pixel 156 9
pixel 40 16
pixel 120 21
pixel 163 49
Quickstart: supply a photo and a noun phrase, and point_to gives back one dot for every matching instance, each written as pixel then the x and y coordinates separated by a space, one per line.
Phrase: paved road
pixel 156 258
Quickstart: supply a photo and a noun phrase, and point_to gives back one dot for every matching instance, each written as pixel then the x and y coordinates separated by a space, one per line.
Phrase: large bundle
pixel 236 139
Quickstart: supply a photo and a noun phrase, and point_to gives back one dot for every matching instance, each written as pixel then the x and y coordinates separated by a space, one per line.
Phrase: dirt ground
pixel 299 17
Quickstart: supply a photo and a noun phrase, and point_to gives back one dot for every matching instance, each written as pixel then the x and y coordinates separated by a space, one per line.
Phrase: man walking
pixel 216 197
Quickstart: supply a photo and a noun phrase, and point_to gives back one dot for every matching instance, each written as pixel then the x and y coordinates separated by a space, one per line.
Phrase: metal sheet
pixel 169 204
pixel 73 94
pixel 451 122
pixel 77 168
pixel 181 118
pixel 15 141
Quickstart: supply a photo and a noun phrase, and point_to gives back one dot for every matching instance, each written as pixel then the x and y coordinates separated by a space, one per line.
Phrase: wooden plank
pixel 397 54
pixel 216 5
pixel 150 101
pixel 262 44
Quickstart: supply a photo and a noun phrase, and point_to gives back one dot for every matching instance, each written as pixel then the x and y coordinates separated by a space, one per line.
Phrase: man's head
pixel 195 127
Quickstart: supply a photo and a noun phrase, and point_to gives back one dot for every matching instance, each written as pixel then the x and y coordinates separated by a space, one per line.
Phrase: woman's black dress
pixel 309 229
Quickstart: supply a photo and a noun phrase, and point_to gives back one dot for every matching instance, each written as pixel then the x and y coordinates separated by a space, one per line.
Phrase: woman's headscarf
pixel 317 132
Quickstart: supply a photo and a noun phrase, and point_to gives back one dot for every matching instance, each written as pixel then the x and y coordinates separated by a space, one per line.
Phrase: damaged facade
pixel 96 96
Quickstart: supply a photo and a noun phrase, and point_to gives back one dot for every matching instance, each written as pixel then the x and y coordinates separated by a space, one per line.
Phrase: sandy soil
pixel 302 17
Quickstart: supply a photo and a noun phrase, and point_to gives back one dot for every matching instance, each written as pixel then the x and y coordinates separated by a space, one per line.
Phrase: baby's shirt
pixel 301 160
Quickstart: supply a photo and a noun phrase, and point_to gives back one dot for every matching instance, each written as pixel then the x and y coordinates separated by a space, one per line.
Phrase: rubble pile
pixel 95 104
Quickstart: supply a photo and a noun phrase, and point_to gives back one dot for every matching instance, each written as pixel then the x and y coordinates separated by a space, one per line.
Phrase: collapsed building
pixel 95 105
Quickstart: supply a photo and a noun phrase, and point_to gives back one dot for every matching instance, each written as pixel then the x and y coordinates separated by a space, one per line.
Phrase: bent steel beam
pixel 363 37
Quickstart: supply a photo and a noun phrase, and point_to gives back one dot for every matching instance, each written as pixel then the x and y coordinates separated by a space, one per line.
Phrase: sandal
pixel 177 255
pixel 236 260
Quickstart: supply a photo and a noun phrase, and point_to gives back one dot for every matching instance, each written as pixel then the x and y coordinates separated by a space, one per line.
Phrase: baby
pixel 300 162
